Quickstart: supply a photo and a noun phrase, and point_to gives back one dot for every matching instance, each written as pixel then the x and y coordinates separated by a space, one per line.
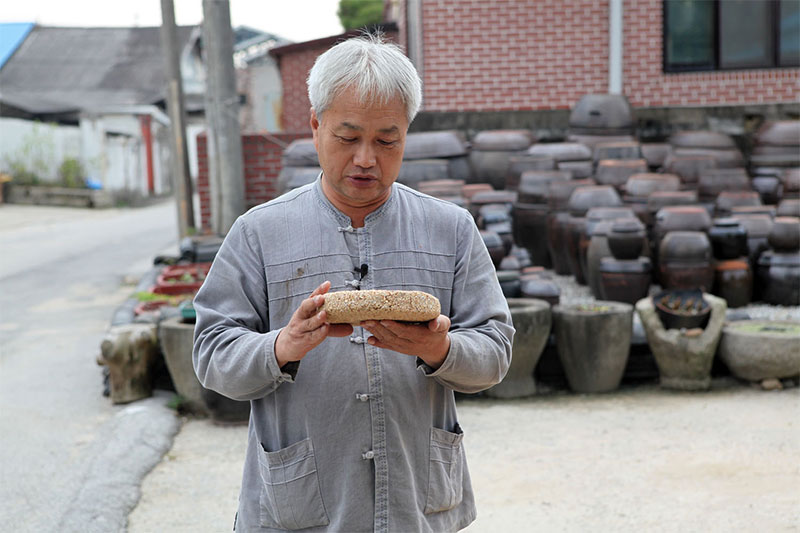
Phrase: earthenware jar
pixel 789 207
pixel 495 246
pixel 530 231
pixel 593 342
pixel 503 229
pixel 509 283
pixel 540 287
pixel 769 188
pixel 625 280
pixel 779 277
pixel 728 239
pixel 626 238
pixel 733 281
pixel 685 261
pixel 533 185
pixel 714 181
pixel 557 201
pixel 615 172
pixel 471 189
pixel 659 199
pixel 727 200
pixel 790 179
pixel 677 218
pixel 521 163
pixel 482 198
pixel 595 216
pixel 785 234
pixel 758 228
pixel 597 250
pixel 640 186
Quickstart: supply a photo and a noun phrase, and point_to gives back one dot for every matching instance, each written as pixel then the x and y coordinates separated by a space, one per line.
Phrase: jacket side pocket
pixel 290 495
pixel 446 469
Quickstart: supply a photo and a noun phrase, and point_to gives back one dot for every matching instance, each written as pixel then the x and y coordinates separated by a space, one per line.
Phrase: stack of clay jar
pixel 491 153
pixel 733 276
pixel 299 165
pixel 778 270
pixel 530 212
pixel 434 156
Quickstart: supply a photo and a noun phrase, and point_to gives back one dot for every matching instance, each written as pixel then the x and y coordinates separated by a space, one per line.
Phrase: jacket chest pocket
pixel 446 470
pixel 290 494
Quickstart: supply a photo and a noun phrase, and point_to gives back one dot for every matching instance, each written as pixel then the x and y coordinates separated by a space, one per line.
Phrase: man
pixel 353 429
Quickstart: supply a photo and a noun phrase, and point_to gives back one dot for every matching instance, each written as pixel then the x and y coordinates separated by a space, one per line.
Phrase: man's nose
pixel 364 156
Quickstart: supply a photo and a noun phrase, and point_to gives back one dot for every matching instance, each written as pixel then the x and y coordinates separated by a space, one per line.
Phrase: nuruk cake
pixel 353 307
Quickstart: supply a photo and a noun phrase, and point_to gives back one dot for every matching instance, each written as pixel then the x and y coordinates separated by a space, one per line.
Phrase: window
pixel 731 34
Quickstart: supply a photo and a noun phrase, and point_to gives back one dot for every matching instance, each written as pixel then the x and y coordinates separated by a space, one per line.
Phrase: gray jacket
pixel 351 438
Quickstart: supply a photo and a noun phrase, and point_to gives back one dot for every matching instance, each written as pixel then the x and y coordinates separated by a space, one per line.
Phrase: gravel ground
pixel 639 459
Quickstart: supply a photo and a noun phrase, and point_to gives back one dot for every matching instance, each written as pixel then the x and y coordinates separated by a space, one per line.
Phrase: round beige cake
pixel 352 307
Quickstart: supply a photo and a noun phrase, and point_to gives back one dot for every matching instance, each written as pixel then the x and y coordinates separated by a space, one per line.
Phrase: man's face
pixel 360 150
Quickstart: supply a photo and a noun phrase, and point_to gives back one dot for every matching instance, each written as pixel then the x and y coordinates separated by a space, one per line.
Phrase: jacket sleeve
pixel 234 349
pixel 481 330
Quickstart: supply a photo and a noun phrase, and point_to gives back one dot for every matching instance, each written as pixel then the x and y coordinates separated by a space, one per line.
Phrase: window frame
pixel 715 66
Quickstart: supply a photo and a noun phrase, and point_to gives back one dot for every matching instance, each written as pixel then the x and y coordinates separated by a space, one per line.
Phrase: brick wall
pixel 262 164
pixel 501 55
pixel 295 62
pixel 646 85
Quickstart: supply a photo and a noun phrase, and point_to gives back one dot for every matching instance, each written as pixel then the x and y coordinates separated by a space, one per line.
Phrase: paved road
pixel 62 273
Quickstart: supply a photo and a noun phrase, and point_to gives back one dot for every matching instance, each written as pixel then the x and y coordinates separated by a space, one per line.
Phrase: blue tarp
pixel 11 36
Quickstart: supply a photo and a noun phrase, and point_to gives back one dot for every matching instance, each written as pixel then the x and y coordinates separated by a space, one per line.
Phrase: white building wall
pixel 40 147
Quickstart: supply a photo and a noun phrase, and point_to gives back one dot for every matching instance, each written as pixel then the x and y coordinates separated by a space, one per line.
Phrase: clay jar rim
pixel 521 305
pixel 738 325
pixel 573 309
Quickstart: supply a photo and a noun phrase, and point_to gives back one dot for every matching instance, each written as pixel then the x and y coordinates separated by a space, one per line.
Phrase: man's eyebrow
pixel 350 126
pixel 393 129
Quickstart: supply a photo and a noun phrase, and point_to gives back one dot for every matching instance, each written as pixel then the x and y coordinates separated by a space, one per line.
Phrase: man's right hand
pixel 307 328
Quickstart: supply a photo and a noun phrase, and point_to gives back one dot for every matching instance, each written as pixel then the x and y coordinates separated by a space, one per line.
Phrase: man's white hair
pixel 376 69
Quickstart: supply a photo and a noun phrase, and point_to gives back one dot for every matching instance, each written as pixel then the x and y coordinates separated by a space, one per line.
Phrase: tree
pixel 359 13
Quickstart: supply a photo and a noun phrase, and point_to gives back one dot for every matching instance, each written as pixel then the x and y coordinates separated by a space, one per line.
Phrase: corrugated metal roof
pixel 67 69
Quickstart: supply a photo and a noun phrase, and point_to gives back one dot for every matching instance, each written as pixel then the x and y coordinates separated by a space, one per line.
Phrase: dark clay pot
pixel 688 167
pixel 602 114
pixel 714 181
pixel 779 278
pixel 556 242
pixel 533 185
pixel 540 287
pixel 597 250
pixel 563 151
pixel 769 189
pixel 482 198
pixel 509 283
pixel 626 238
pixel 758 228
pixel 625 280
pixel 682 308
pixel 728 239
pixel 678 218
pixel 584 198
pixel 510 262
pixel 495 246
pixel 615 172
pixel 727 200
pixel 644 184
pixel 575 228
pixel 785 234
pixel 521 163
pixel 685 261
pixel 530 231
pixel 593 343
pixel 503 229
pixel 733 281
pixel 660 199
pixel 493 214
pixel 789 207
pixel 790 179
pixel 617 150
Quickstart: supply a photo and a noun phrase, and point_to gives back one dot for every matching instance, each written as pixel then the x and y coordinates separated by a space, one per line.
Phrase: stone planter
pixel 176 339
pixel 683 357
pixel 60 196
pixel 593 342
pixel 761 349
pixel 130 352
pixel 532 320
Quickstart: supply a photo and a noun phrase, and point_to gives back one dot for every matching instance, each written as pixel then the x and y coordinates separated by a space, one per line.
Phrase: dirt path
pixel 640 459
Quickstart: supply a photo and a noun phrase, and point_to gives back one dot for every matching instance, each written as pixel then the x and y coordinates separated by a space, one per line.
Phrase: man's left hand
pixel 430 342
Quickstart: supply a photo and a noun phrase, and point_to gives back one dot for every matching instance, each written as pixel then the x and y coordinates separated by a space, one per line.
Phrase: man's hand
pixel 307 328
pixel 430 342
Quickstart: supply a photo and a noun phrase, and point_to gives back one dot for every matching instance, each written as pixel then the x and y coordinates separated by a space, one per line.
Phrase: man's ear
pixel 314 125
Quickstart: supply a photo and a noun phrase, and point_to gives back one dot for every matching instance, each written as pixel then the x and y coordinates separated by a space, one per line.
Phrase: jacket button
pixel 362 397
pixel 368 455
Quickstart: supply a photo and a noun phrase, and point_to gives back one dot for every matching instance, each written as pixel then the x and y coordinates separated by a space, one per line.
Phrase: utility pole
pixel 177 117
pixel 227 198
